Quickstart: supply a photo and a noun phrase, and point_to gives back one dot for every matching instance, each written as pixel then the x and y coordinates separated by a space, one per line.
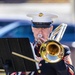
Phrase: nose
pixel 40 32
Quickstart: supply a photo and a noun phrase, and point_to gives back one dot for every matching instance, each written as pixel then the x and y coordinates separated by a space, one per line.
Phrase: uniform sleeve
pixel 66 50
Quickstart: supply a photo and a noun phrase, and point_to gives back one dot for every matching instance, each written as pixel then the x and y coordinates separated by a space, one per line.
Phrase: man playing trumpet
pixel 54 58
pixel 42 27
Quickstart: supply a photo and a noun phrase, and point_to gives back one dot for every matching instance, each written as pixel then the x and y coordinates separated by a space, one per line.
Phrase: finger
pixel 13 73
pixel 40 64
pixel 42 40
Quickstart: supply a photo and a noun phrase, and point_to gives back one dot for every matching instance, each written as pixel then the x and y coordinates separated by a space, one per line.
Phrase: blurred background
pixel 14 22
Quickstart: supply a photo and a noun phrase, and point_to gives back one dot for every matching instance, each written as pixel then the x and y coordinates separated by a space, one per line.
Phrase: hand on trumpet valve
pixel 40 39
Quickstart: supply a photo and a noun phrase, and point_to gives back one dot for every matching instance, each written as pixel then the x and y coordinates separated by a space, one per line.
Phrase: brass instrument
pixel 52 51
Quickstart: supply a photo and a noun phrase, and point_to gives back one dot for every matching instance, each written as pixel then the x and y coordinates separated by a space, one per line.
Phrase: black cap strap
pixel 42 24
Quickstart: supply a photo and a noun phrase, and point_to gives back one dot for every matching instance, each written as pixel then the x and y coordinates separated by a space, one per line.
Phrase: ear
pixel 32 29
pixel 51 28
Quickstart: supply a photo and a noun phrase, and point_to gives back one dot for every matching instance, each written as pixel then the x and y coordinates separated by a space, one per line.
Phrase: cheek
pixel 35 34
pixel 45 36
pixel 46 33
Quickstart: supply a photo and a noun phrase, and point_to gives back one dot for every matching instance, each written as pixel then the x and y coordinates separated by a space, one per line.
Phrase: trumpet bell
pixel 52 51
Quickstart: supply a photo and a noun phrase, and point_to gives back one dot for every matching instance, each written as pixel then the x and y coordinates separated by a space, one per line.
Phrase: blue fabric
pixel 67 50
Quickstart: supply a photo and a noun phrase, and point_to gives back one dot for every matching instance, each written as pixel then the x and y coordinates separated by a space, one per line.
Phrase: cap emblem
pixel 40 14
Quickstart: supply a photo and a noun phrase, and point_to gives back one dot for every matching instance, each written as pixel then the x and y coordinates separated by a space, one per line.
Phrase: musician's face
pixel 42 32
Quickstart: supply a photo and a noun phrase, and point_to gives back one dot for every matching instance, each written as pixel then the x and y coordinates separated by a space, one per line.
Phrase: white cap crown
pixel 42 17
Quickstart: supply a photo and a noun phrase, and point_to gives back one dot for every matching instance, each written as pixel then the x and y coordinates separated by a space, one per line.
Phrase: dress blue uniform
pixel 43 20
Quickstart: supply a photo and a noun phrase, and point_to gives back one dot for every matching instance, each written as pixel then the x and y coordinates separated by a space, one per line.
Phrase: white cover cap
pixel 42 17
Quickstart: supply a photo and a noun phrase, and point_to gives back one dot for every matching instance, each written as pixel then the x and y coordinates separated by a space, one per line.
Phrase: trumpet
pixel 52 51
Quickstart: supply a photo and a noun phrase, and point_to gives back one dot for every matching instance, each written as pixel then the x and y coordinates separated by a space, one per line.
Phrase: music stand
pixel 11 63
